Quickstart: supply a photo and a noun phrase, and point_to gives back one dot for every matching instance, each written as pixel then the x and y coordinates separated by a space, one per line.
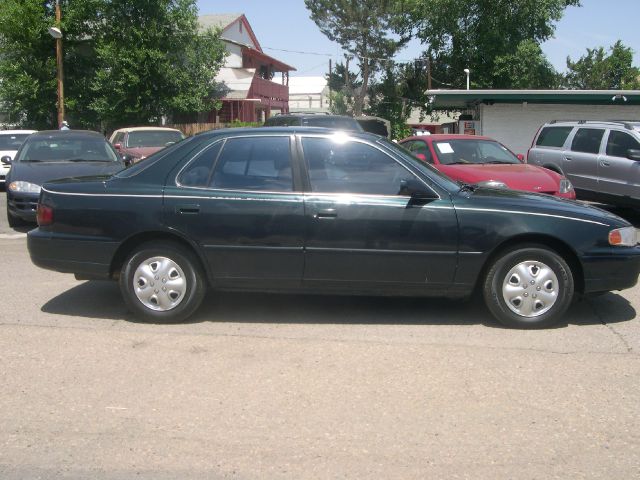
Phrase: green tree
pixel 342 83
pixel 482 35
pixel 28 58
pixel 363 28
pixel 124 62
pixel 598 71
pixel 526 68
pixel 393 97
pixel 154 62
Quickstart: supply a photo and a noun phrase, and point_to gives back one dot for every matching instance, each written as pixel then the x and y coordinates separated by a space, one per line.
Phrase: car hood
pixel 504 199
pixel 40 172
pixel 139 152
pixel 515 176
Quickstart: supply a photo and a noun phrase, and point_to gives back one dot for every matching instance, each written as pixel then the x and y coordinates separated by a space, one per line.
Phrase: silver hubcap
pixel 159 283
pixel 530 288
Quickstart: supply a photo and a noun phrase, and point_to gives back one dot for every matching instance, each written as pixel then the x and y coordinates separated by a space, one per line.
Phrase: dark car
pixel 339 122
pixel 314 210
pixel 48 155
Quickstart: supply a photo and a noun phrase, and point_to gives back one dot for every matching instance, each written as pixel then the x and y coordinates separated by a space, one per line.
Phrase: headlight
pixel 565 186
pixel 24 187
pixel 625 237
pixel 492 184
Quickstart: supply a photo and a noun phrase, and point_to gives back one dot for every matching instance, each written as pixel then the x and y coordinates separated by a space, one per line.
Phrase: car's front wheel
pixel 528 287
pixel 162 282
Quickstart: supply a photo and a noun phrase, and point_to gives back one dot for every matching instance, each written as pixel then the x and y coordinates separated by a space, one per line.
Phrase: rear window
pixel 153 138
pixel 12 141
pixel 553 136
pixel 333 122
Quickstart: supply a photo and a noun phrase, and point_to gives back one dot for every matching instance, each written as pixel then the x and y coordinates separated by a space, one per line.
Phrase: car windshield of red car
pixel 458 151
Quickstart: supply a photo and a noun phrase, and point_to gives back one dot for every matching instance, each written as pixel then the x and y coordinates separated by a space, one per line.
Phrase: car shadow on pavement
pixel 101 299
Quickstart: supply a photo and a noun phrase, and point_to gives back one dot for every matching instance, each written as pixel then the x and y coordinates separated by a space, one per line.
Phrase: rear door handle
pixel 329 213
pixel 568 159
pixel 604 163
pixel 188 209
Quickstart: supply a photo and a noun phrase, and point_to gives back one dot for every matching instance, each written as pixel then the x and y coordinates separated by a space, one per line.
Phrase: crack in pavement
pixel 619 335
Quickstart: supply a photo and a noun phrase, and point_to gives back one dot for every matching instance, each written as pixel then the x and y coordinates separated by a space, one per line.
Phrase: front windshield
pixel 68 149
pixel 462 151
pixel 153 138
pixel 12 141
pixel 427 169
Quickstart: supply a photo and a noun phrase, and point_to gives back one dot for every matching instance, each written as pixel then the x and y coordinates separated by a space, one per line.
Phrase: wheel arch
pixel 133 242
pixel 533 240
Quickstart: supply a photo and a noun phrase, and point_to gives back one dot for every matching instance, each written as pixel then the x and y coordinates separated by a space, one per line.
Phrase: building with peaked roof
pixel 258 83
pixel 514 116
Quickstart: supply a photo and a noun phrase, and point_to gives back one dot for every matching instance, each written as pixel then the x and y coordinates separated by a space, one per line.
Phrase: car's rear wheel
pixel 528 287
pixel 162 282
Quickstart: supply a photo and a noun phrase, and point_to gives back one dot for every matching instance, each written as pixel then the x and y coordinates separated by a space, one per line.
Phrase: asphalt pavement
pixel 295 387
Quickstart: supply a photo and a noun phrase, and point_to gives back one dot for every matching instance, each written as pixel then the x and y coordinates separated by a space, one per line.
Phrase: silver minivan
pixel 600 158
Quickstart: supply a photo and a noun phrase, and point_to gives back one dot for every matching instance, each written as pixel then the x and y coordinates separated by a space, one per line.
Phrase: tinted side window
pixel 417 147
pixel 351 167
pixel 198 171
pixel 587 140
pixel 553 136
pixel 254 163
pixel 619 142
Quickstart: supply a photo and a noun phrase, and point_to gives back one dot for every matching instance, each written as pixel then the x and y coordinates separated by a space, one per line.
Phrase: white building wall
pixel 515 125
pixel 234 33
pixel 234 59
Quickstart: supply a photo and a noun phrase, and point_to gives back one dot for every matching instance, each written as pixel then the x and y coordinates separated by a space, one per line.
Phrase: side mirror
pixel 117 146
pixel 419 193
pixel 6 160
pixel 520 157
pixel 632 154
pixel 421 156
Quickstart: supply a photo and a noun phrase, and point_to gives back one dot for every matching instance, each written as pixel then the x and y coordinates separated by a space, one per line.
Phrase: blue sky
pixel 285 25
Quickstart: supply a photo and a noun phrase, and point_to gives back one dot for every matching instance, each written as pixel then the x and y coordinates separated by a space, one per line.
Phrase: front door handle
pixel 193 209
pixel 329 213
pixel 568 159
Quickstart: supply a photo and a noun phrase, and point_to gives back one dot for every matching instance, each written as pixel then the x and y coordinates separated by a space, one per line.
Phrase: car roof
pixel 14 132
pixel 67 133
pixel 257 131
pixel 448 136
pixel 142 129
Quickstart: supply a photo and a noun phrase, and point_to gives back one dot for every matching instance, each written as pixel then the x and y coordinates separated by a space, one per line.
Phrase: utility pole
pixel 56 33
pixel 429 72
pixel 330 72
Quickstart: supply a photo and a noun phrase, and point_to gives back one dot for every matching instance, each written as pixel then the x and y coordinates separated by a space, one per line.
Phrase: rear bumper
pixel 618 271
pixel 90 259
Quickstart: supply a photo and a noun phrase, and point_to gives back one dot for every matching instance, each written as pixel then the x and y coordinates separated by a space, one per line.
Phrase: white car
pixel 10 141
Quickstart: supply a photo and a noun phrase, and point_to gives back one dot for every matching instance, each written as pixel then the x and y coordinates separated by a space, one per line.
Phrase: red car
pixel 486 162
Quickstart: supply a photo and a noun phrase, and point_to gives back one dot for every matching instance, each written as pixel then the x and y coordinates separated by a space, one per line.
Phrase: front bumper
pixel 617 271
pixel 23 205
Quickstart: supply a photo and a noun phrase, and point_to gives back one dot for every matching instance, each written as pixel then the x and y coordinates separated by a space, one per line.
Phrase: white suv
pixel 600 158
pixel 10 141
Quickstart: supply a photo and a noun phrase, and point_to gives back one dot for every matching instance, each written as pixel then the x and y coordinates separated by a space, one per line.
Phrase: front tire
pixel 528 287
pixel 162 282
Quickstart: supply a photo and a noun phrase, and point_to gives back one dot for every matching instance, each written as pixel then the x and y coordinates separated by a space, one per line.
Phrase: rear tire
pixel 528 287
pixel 162 282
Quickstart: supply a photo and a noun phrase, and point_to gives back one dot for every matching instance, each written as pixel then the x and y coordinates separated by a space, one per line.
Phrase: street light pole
pixel 466 70
pixel 56 33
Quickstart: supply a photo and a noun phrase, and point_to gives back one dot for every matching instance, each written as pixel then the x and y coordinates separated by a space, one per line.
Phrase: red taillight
pixel 44 215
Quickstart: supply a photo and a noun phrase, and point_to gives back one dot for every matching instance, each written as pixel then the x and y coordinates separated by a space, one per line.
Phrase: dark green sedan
pixel 303 209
